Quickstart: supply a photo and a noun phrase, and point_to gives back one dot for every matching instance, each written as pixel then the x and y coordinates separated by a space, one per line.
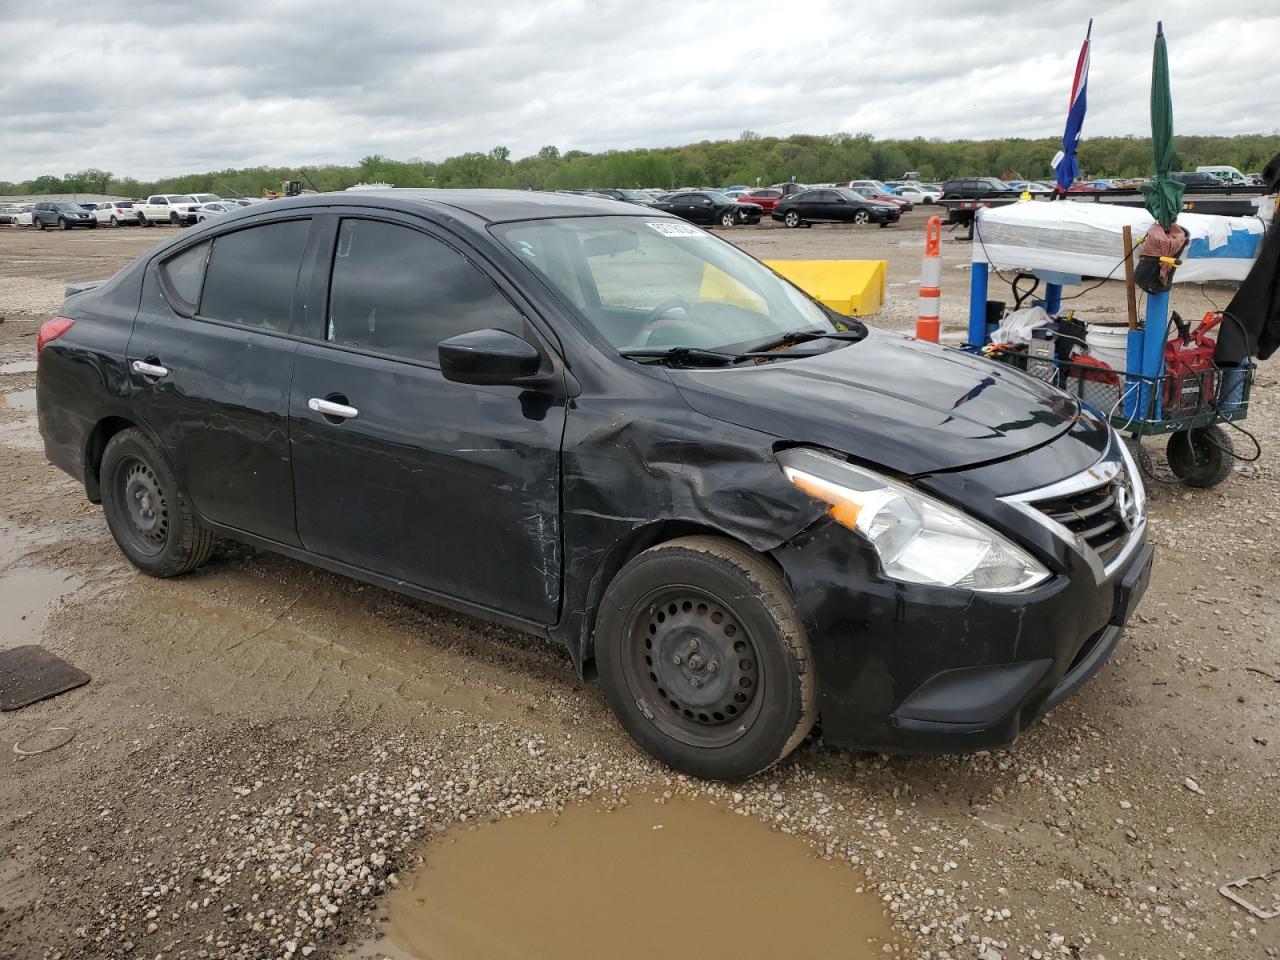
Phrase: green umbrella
pixel 1163 194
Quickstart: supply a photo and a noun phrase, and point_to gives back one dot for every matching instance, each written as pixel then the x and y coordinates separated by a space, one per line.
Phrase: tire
pixel 1200 457
pixel 792 219
pixel 115 222
pixel 728 219
pixel 147 511
pixel 174 220
pixel 39 224
pixel 200 219
pixel 93 225
pixel 64 223
pixel 732 609
pixel 143 221
pixel 861 217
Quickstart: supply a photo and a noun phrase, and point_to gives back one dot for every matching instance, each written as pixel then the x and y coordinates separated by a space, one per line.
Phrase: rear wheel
pixel 114 221
pixel 147 512
pixel 861 216
pixel 143 221
pixel 174 220
pixel 1200 457
pixel 703 659
pixel 791 218
pixel 39 224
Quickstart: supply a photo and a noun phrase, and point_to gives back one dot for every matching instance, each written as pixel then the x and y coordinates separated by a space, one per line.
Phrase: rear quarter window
pixel 184 275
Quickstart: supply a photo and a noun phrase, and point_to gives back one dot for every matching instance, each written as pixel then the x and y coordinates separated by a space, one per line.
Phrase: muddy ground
pixel 265 748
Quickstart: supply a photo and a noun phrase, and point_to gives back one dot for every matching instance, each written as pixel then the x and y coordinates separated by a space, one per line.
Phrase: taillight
pixel 51 330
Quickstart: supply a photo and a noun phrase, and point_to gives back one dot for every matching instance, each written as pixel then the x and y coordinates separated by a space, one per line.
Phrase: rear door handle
pixel 331 409
pixel 150 369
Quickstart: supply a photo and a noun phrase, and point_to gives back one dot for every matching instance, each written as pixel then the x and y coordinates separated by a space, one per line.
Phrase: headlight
pixel 919 539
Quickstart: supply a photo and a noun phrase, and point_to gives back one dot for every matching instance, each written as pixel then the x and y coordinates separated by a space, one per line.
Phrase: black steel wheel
pixel 791 218
pixel 703 659
pixel 147 512
pixel 1200 457
pixel 861 216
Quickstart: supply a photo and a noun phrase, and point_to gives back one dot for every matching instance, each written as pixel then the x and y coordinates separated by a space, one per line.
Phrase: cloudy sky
pixel 155 87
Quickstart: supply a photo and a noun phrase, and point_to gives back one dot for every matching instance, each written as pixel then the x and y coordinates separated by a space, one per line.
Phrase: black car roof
pixel 493 206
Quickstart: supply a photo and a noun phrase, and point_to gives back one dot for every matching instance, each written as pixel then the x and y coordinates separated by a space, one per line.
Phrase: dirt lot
pixel 265 747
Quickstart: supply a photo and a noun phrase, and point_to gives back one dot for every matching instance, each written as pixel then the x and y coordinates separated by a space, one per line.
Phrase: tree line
pixel 749 159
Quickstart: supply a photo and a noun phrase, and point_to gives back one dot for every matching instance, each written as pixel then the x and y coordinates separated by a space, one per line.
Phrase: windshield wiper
pixel 804 336
pixel 684 356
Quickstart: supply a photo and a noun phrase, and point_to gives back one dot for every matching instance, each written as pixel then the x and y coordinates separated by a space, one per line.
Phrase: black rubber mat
pixel 30 674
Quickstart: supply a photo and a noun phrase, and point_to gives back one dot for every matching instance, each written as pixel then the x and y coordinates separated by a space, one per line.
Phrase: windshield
pixel 180 198
pixel 205 197
pixel 68 206
pixel 656 284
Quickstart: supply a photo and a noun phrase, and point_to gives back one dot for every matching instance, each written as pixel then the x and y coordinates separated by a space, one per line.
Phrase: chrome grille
pixel 1102 517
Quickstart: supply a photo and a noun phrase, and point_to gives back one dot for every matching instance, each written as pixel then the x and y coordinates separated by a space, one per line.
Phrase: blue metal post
pixel 1133 364
pixel 1052 298
pixel 1146 356
pixel 978 304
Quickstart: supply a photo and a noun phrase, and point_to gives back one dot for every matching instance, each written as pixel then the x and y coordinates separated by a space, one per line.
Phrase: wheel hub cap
pixel 146 504
pixel 699 661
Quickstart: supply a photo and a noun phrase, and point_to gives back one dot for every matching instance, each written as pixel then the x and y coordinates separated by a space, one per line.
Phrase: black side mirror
pixel 490 358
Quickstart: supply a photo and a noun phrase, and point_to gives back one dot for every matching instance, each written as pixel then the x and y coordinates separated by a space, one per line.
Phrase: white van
pixel 1228 175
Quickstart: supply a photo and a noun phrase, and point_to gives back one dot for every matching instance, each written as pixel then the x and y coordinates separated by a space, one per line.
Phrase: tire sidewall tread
pixel 190 544
pixel 785 657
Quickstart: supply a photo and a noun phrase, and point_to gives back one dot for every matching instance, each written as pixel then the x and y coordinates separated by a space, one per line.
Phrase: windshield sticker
pixel 669 229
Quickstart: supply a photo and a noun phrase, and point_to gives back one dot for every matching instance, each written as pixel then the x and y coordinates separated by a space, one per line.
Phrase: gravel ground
pixel 265 747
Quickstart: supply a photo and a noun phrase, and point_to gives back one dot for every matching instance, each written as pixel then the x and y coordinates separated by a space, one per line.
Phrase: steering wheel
pixel 657 317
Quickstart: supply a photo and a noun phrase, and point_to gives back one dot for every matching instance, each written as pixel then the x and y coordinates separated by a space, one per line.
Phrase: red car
pixel 767 197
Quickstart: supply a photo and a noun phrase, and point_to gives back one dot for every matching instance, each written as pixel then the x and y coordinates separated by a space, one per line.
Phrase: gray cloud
pixel 148 88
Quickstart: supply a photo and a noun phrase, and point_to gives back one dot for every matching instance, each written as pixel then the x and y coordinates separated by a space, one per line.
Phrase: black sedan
pixel 709 207
pixel 834 205
pixel 619 432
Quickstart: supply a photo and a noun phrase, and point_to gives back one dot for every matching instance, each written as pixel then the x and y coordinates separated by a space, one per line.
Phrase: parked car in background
pixel 62 214
pixel 24 215
pixel 629 196
pixel 902 203
pixel 115 212
pixel 203 198
pixel 709 207
pixel 1029 186
pixel 1090 186
pixel 8 213
pixel 1197 178
pixel 216 209
pixel 918 194
pixel 973 188
pixel 174 208
pixel 833 205
pixel 765 197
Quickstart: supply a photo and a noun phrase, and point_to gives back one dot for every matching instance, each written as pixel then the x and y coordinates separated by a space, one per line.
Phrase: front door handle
pixel 330 409
pixel 150 369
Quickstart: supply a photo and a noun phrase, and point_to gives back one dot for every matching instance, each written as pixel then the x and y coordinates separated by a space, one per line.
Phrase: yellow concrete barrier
pixel 854 288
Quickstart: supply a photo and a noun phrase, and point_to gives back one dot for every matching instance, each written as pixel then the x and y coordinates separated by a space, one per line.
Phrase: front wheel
pixel 791 218
pixel 64 223
pixel 861 216
pixel 1200 457
pixel 703 658
pixel 728 219
pixel 147 512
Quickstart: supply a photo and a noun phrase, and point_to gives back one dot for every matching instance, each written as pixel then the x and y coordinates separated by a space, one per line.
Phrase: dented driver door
pixel 450 487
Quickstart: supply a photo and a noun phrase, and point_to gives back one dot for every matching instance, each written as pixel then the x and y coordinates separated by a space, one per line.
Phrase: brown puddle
pixel 683 878
pixel 27 595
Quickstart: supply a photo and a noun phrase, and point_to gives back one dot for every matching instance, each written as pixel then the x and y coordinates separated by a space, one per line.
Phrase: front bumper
pixel 908 668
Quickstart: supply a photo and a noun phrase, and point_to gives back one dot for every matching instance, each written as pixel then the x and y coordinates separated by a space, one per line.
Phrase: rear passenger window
pixel 184 274
pixel 252 274
pixel 400 292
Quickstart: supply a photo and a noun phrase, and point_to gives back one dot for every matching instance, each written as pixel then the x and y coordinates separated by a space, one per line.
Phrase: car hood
pixel 890 401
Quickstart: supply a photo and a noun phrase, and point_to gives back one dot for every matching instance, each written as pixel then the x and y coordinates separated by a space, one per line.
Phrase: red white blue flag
pixel 1065 167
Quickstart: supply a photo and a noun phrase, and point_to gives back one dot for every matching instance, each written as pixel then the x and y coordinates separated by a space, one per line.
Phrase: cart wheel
pixel 1200 457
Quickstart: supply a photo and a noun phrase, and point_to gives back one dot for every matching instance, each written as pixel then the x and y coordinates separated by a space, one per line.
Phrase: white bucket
pixel 1109 343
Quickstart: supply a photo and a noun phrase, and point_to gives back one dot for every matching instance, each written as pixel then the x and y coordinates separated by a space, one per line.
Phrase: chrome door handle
pixel 150 369
pixel 331 409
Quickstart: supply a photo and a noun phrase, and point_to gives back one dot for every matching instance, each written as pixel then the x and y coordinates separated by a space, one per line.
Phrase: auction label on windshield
pixel 668 229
